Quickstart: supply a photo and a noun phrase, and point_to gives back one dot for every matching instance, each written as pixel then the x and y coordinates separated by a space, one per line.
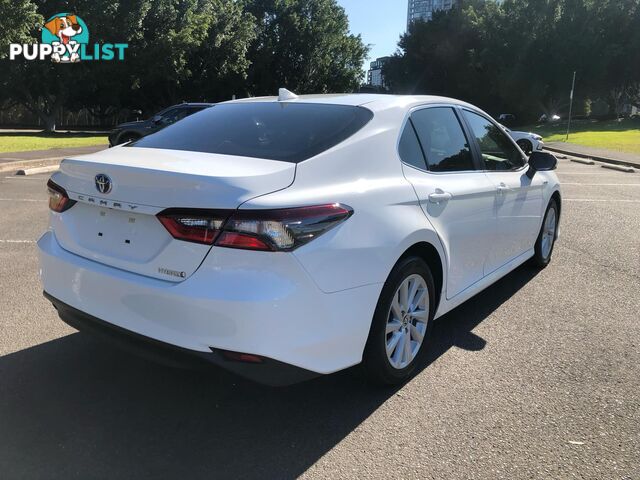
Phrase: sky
pixel 380 22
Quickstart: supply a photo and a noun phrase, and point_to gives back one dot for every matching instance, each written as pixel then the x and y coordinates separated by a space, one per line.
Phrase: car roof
pixel 372 101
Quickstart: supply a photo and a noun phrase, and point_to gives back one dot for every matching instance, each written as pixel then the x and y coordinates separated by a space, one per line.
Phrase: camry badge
pixel 103 183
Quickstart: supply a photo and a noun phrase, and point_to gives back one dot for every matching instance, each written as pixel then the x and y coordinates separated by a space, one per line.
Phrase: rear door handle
pixel 439 196
pixel 502 188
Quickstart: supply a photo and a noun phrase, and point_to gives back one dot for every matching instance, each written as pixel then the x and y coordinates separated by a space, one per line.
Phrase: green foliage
pixel 622 136
pixel 183 50
pixel 19 18
pixel 304 46
pixel 600 108
pixel 37 141
pixel 518 56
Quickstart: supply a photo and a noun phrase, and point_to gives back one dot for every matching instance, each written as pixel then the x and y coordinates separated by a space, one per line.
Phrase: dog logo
pixel 70 32
pixel 103 183
pixel 65 39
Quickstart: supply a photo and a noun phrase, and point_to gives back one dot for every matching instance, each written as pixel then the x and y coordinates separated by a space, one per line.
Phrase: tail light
pixel 198 226
pixel 282 229
pixel 268 230
pixel 59 201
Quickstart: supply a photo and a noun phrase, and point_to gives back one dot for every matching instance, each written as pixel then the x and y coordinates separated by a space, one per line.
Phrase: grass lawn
pixel 22 142
pixel 622 136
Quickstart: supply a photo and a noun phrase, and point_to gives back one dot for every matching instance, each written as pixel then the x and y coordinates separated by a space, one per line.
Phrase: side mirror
pixel 157 119
pixel 541 162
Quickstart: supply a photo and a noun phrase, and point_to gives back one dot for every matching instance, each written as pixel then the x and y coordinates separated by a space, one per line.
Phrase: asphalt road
pixel 537 377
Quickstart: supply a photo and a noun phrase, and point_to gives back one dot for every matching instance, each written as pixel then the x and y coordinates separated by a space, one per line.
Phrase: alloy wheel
pixel 549 232
pixel 407 321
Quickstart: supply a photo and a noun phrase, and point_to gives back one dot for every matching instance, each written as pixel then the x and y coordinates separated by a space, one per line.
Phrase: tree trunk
pixel 45 107
pixel 48 114
pixel 49 122
pixel 616 97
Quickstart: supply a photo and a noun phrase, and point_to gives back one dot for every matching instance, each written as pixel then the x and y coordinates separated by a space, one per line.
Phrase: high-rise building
pixel 374 76
pixel 423 9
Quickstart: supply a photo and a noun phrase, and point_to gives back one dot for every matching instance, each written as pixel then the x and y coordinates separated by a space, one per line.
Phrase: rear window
pixel 290 132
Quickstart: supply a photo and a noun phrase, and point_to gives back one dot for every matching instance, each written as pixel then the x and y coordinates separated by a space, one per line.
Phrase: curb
pixel 592 157
pixel 584 161
pixel 28 164
pixel 619 168
pixel 36 170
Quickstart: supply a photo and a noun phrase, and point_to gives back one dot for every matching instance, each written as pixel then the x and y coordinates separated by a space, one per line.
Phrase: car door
pixel 518 199
pixel 456 196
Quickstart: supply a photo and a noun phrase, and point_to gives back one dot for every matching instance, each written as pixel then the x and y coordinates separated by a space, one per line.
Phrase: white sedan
pixel 283 238
pixel 529 142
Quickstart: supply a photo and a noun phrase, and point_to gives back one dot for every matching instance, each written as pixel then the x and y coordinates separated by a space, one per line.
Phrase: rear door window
pixel 290 132
pixel 443 141
pixel 409 148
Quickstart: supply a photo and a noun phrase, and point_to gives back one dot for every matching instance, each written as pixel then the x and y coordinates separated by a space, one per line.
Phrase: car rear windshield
pixel 290 132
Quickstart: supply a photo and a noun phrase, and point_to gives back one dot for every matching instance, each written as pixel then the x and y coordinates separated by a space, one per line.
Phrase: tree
pixel 178 50
pixel 220 64
pixel 455 54
pixel 19 18
pixel 305 46
pixel 518 56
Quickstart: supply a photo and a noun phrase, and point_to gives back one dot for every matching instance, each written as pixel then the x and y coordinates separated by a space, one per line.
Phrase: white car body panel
pixel 518 209
pixel 112 229
pixel 185 179
pixel 466 221
pixel 365 248
pixel 237 300
pixel 311 308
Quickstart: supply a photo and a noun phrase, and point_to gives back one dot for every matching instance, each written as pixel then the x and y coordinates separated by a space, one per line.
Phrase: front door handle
pixel 502 189
pixel 439 196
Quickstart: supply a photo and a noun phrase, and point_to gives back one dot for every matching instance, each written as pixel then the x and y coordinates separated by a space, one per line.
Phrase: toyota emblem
pixel 103 183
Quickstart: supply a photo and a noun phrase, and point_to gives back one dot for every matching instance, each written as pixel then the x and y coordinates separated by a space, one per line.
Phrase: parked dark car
pixel 126 132
pixel 508 119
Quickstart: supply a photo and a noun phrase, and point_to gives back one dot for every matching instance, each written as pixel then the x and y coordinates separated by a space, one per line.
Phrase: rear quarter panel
pixel 365 173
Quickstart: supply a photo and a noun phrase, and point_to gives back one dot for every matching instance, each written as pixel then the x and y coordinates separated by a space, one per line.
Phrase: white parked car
pixel 553 118
pixel 283 238
pixel 527 141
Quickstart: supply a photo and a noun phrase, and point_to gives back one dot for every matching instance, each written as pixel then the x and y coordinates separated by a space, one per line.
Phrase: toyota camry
pixel 287 237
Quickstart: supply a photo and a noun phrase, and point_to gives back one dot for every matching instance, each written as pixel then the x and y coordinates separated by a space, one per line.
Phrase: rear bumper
pixel 241 301
pixel 269 372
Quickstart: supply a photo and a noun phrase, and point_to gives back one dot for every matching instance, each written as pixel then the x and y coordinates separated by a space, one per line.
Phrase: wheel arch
pixel 558 198
pixel 429 253
pixel 525 144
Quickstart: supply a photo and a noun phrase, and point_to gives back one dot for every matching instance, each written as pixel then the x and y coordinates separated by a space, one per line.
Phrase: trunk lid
pixel 119 227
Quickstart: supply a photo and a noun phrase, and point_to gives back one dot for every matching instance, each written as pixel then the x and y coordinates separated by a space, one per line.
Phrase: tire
pixel 548 233
pixel 379 367
pixel 526 146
